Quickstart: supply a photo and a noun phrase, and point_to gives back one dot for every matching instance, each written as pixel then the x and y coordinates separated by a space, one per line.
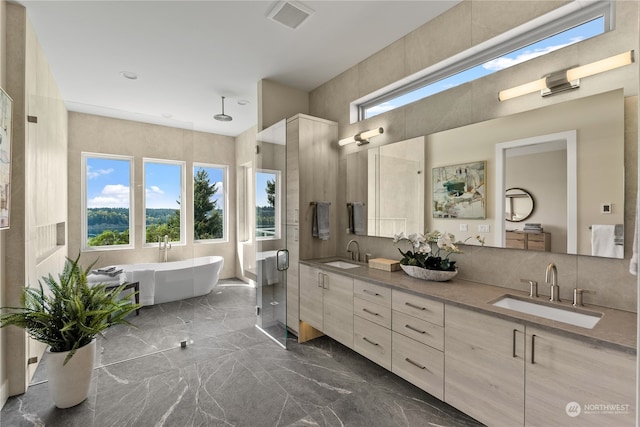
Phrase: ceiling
pixel 187 54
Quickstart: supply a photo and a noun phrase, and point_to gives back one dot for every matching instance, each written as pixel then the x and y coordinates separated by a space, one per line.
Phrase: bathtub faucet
pixel 164 246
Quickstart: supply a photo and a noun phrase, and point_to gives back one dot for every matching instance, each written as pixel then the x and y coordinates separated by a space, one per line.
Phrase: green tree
pixel 207 218
pixel 271 193
pixel 109 237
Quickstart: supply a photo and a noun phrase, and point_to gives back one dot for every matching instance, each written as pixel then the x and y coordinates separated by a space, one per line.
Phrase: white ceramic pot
pixel 69 384
pixel 424 274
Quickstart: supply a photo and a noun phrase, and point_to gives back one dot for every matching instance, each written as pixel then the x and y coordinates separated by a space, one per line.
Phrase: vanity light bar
pixel 362 137
pixel 568 79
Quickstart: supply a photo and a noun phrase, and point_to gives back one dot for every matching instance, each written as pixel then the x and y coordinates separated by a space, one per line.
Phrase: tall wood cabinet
pixel 312 176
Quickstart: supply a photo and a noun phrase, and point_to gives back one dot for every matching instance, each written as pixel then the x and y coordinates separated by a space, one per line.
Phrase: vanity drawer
pixel 419 364
pixel 417 306
pixel 371 292
pixel 372 341
pixel 418 329
pixel 373 312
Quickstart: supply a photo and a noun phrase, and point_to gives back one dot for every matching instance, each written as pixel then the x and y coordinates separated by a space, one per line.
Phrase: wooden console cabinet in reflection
pixel 529 241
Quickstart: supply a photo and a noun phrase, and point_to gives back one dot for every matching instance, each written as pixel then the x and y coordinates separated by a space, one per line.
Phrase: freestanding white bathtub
pixel 174 280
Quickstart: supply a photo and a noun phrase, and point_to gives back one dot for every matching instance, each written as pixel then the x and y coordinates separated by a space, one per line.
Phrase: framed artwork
pixel 459 191
pixel 5 158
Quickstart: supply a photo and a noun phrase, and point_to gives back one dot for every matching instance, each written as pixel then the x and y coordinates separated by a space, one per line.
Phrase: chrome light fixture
pixel 361 138
pixel 562 80
pixel 223 117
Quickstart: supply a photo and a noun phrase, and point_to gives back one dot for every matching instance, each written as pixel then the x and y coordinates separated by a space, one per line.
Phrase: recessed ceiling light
pixel 129 75
pixel 243 102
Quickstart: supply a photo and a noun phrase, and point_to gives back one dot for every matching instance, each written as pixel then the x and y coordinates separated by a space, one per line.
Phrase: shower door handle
pixel 284 266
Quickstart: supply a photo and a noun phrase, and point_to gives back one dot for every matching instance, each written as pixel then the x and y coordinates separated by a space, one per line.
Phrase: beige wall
pixel 245 157
pixel 95 134
pixel 38 183
pixel 277 102
pixel 4 381
pixel 460 28
pixel 544 176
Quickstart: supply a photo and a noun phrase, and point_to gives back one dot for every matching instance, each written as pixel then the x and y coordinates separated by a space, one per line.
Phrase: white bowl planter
pixel 69 384
pixel 425 274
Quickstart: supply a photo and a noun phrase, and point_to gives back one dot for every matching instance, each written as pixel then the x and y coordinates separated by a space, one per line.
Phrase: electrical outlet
pixel 484 228
pixel 464 227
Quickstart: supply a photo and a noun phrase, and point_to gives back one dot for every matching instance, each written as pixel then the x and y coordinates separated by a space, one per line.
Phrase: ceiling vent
pixel 289 13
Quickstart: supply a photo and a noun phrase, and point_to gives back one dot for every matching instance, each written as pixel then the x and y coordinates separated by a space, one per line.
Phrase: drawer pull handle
pixel 416 364
pixel 370 342
pixel 415 306
pixel 370 312
pixel 415 329
pixel 367 291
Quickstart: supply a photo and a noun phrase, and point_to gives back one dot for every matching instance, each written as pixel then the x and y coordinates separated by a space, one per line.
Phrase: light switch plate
pixel 484 228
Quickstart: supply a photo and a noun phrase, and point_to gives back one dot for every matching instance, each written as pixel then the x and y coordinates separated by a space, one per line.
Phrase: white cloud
pixel 92 174
pixel 111 196
pixel 379 109
pixel 153 190
pixel 502 62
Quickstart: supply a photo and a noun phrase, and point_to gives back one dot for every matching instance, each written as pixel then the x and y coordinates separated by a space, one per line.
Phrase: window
pixel 107 202
pixel 209 202
pixel 267 204
pixel 506 52
pixel 163 192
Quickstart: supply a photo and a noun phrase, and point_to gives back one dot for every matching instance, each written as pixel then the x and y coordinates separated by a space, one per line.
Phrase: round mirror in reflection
pixel 519 204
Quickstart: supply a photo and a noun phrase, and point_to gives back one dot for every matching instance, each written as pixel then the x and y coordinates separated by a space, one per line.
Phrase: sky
pixel 108 183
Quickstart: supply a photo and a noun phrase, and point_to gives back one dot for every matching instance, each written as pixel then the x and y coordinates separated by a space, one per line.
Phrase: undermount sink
pixel 341 264
pixel 568 315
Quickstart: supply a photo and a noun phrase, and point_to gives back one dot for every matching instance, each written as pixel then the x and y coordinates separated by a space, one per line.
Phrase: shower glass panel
pixel 271 256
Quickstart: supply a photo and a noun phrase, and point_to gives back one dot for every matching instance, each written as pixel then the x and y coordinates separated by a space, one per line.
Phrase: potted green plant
pixel 429 259
pixel 67 316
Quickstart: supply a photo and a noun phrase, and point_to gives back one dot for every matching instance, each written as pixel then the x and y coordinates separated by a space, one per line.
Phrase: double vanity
pixel 496 354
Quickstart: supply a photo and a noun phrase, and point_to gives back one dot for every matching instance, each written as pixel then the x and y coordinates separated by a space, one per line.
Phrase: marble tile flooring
pixel 230 374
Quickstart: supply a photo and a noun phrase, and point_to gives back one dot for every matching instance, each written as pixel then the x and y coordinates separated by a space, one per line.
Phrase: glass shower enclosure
pixel 271 255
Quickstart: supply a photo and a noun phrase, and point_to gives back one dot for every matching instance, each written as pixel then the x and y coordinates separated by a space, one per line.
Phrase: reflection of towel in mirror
pixel 270 270
pixel 633 264
pixel 603 241
pixel 320 225
pixel 357 211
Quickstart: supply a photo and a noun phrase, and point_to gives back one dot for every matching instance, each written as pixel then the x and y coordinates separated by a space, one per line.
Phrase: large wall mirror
pixel 388 181
pixel 569 156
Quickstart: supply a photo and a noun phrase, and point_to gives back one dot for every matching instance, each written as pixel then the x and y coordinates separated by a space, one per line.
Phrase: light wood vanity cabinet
pixel 561 370
pixel 372 322
pixel 326 303
pixel 490 376
pixel 484 372
pixel 418 341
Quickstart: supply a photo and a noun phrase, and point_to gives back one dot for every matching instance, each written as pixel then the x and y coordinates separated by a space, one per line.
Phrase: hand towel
pixel 358 218
pixel 320 223
pixel 105 279
pixel 270 270
pixel 603 241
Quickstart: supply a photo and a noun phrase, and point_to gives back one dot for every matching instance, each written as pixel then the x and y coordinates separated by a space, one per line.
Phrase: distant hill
pixel 117 219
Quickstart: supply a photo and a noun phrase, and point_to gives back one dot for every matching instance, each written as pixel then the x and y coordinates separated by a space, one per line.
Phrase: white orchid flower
pixel 398 237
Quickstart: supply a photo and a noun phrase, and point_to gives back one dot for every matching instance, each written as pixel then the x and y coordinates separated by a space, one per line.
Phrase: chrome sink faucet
pixel 355 256
pixel 551 277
